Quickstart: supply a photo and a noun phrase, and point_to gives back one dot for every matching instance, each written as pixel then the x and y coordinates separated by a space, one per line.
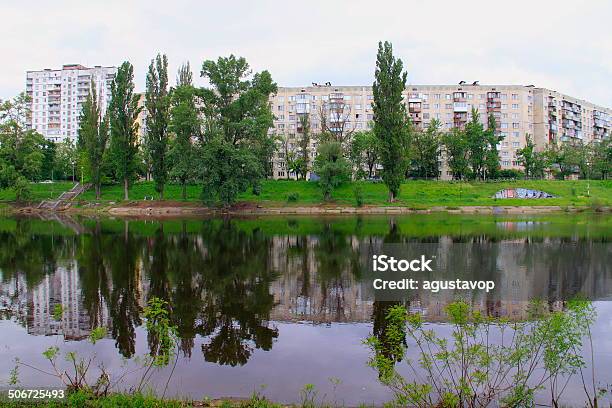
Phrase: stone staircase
pixel 65 199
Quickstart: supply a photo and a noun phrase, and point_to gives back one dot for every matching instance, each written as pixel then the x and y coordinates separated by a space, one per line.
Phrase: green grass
pixel 83 399
pixel 40 191
pixel 413 194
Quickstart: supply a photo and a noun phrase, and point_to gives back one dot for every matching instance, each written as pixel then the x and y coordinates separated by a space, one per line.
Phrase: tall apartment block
pixel 546 115
pixel 58 96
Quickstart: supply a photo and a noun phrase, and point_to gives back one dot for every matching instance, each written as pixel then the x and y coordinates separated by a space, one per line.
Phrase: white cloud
pixel 563 45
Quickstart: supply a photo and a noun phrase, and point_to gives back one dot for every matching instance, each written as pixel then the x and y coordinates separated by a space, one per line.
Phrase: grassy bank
pixel 39 191
pixel 83 399
pixel 415 194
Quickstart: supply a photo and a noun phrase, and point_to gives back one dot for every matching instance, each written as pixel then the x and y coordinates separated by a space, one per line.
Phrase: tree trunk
pixel 184 191
pixel 126 185
pixel 391 196
pixel 97 191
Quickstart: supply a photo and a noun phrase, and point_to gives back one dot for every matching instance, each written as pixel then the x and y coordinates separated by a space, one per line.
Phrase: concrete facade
pixel 519 111
pixel 58 96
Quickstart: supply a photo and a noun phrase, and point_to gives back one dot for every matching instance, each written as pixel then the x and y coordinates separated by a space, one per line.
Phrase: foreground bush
pixel 470 369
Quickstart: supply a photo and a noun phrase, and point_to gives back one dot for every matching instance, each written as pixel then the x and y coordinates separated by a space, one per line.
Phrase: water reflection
pixel 233 282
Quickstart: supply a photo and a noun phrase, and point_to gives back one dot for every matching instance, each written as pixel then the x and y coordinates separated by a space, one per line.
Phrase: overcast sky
pixel 562 45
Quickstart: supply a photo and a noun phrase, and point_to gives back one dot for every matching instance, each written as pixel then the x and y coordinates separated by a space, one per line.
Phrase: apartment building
pixel 562 118
pixel 58 96
pixel 519 111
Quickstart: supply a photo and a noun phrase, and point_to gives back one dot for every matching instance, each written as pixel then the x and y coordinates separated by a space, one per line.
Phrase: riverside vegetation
pixel 218 138
pixel 472 370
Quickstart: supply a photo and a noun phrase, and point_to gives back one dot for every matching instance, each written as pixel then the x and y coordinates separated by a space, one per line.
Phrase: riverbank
pixel 169 210
pixel 301 197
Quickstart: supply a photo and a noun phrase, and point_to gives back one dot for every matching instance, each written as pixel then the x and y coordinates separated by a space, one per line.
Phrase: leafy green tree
pixel 582 156
pixel 526 156
pixel 390 119
pixel 49 151
pixel 290 157
pixel 425 150
pixel 602 159
pixel 157 104
pixel 532 161
pixel 66 159
pixel 303 160
pixel 331 167
pixel 93 137
pixel 564 159
pixel 364 153
pixel 476 144
pixel 21 149
pixel 237 149
pixel 491 158
pixel 185 125
pixel 123 113
pixel 456 151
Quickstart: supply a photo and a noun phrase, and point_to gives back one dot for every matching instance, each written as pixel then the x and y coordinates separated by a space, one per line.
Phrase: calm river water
pixel 271 304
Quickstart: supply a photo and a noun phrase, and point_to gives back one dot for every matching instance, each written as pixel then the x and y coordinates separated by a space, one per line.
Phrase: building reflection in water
pixel 229 282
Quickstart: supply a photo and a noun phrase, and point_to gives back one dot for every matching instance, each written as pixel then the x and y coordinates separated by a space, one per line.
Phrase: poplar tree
pixel 390 119
pixel 93 136
pixel 477 144
pixel 123 113
pixel 184 123
pixel 157 105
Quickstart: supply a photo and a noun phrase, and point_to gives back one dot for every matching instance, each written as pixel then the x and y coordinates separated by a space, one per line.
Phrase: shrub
pixel 468 369
pixel 510 174
pixel 22 189
pixel 332 168
pixel 358 193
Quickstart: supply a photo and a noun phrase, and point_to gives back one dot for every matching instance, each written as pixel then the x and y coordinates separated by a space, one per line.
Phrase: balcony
pixel 460 107
pixel 459 96
pixel 568 124
pixel 493 105
pixel 302 108
pixel 414 107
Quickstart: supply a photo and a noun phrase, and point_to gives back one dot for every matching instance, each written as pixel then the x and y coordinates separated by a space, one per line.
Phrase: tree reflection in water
pixel 226 281
pixel 236 301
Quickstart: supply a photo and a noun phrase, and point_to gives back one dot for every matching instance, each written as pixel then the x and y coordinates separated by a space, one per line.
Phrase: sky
pixel 561 45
